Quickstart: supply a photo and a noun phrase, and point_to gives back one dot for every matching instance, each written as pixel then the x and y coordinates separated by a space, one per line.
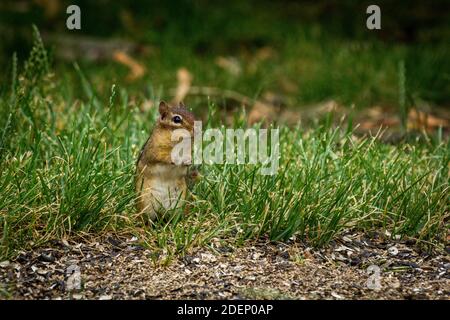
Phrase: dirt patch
pixel 119 268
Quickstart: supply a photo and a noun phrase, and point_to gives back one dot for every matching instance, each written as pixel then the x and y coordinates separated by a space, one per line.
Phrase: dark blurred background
pixel 195 22
pixel 293 52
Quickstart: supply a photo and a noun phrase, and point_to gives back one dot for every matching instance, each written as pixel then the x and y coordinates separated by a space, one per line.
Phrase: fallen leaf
pixel 260 55
pixel 420 120
pixel 230 64
pixel 184 79
pixel 137 71
pixel 261 112
pixel 264 53
pixel 290 117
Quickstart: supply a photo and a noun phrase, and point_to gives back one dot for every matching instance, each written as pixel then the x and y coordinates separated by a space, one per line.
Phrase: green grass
pixel 67 166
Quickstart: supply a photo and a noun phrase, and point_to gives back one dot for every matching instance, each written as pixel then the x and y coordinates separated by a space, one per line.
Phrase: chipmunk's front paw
pixel 186 161
pixel 182 163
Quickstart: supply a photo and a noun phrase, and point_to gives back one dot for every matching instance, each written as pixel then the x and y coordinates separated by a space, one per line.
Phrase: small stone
pixel 47 258
pixel 207 257
pixel 337 296
pixel 41 272
pixel 355 261
pixel 65 243
pixel 395 284
pixel 4 264
pixel 256 256
pixel 285 255
pixel 346 239
pixel 393 251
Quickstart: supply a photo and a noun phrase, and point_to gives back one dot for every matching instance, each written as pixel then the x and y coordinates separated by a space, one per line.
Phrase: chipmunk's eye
pixel 177 119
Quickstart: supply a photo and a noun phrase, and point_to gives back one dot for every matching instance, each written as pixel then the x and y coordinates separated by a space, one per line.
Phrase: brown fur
pixel 159 182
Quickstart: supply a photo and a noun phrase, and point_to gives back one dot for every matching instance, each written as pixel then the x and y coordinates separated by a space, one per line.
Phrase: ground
pixel 117 267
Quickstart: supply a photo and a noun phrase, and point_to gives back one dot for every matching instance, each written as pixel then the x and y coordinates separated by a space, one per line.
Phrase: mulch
pixel 355 266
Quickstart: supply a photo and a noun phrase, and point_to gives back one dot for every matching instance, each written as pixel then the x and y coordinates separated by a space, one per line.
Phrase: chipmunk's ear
pixel 182 105
pixel 163 109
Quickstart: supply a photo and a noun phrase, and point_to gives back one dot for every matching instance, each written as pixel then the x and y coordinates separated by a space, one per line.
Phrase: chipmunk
pixel 160 181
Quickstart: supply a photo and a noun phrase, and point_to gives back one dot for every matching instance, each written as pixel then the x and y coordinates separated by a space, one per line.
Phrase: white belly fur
pixel 166 194
pixel 164 190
